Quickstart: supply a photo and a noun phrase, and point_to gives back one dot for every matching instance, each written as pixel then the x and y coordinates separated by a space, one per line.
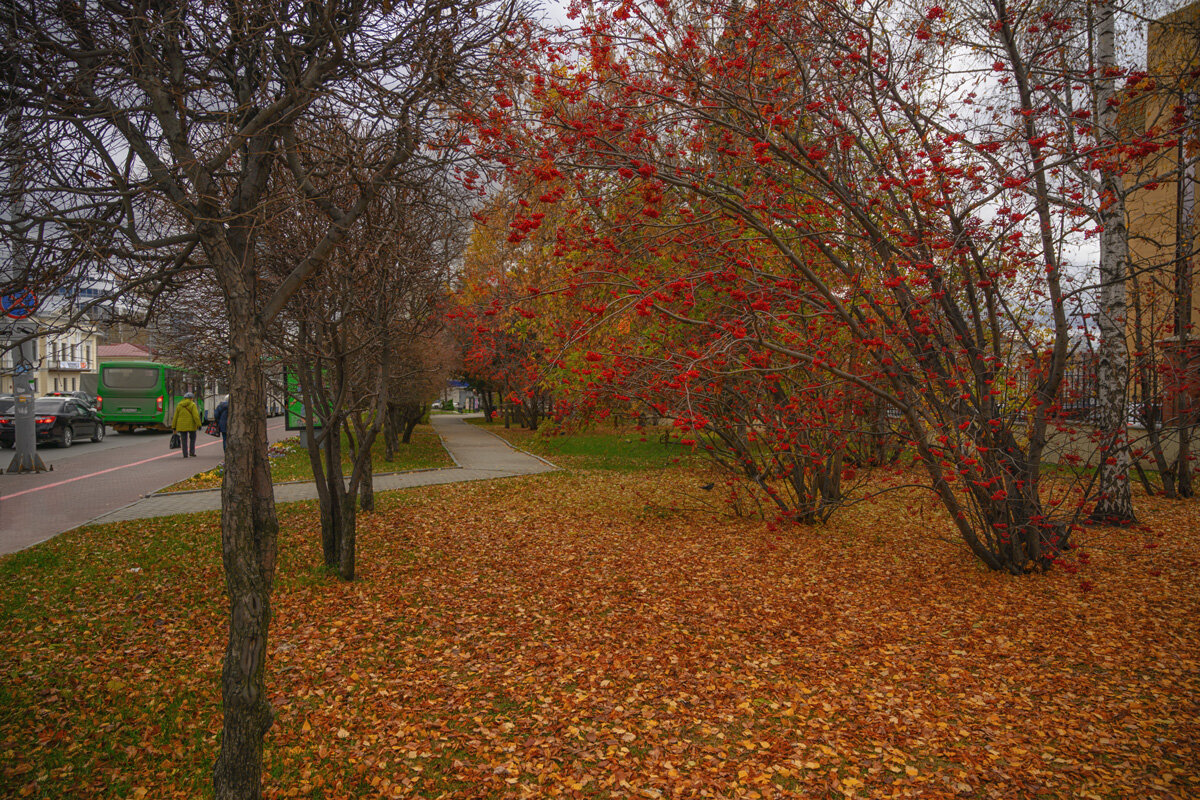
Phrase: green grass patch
pixel 602 447
pixel 289 461
pixel 82 712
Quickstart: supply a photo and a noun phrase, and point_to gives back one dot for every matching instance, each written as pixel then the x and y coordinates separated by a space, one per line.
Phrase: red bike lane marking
pixel 110 469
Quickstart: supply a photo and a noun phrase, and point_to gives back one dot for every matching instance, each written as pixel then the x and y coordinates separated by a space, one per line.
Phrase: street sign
pixel 20 304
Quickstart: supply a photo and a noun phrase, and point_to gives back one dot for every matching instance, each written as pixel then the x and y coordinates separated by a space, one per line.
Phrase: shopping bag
pixel 174 440
pixel 212 429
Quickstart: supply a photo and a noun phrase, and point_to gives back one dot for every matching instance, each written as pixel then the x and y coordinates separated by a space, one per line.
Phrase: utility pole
pixel 19 307
pixel 24 356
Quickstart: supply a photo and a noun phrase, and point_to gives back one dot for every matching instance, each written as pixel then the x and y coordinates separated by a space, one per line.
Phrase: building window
pixel 74 384
pixel 56 384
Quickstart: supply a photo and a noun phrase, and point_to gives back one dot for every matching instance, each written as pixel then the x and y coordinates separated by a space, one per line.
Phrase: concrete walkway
pixel 480 455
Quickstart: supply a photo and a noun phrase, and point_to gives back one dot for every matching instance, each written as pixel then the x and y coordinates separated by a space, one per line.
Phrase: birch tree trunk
pixel 1115 502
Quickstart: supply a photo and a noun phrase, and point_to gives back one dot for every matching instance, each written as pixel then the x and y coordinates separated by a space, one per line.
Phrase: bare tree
pixel 125 109
pixel 420 368
pixel 350 332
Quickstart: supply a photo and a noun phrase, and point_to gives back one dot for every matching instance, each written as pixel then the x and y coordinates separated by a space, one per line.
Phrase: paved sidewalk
pixel 480 455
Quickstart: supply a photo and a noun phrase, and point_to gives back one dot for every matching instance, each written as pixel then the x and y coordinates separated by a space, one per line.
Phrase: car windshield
pixel 6 405
pixel 48 405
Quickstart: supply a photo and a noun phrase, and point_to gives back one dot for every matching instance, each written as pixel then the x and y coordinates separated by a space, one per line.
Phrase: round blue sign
pixel 19 305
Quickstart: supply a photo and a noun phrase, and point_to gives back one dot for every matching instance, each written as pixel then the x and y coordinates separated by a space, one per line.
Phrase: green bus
pixel 139 394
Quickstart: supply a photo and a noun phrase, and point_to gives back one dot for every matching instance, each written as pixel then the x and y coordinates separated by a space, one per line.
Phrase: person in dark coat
pixel 221 415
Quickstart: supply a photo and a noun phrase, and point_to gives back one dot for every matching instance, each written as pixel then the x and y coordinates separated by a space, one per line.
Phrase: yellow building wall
pixel 1162 112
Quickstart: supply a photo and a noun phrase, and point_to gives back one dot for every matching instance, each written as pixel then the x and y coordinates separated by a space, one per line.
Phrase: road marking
pixel 111 469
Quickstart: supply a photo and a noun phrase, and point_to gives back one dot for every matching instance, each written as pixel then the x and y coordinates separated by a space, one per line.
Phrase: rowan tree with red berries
pixel 923 217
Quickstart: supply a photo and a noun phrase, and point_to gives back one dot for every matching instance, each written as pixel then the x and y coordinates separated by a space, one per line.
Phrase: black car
pixel 83 397
pixel 57 420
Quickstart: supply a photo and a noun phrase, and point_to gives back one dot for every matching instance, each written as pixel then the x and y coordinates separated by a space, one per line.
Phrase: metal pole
pixel 25 332
pixel 26 458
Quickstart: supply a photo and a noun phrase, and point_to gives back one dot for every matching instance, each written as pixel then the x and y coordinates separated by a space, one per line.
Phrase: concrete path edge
pixel 490 455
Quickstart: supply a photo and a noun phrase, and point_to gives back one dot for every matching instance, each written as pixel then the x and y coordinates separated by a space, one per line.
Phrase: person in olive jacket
pixel 186 423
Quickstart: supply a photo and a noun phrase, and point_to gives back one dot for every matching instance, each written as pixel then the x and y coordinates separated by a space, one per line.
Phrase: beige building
pixel 61 362
pixel 1160 118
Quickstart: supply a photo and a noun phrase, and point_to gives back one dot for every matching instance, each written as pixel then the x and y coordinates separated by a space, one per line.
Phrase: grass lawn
pixel 602 447
pixel 289 461
pixel 612 633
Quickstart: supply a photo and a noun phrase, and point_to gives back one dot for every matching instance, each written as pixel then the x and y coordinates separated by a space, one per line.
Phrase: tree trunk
pixel 331 451
pixel 390 436
pixel 1185 237
pixel 411 421
pixel 366 487
pixel 529 412
pixel 1166 470
pixel 349 536
pixel 489 406
pixel 337 510
pixel 249 531
pixel 996 505
pixel 1115 502
pixel 1182 471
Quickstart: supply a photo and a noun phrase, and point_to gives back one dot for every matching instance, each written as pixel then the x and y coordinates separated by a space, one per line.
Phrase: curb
pixel 162 493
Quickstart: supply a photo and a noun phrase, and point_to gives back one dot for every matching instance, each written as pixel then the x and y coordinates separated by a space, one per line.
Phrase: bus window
pixel 129 377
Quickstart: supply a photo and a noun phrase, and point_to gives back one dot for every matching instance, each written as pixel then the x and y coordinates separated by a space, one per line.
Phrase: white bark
pixel 1115 501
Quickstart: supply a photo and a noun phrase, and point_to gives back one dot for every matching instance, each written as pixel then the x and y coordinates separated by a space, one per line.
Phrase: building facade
pixel 1160 116
pixel 63 362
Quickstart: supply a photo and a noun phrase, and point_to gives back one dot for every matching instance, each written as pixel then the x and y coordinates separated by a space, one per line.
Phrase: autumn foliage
pixel 794 229
pixel 613 635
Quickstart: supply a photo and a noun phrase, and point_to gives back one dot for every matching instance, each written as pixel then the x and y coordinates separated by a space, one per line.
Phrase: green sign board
pixel 293 403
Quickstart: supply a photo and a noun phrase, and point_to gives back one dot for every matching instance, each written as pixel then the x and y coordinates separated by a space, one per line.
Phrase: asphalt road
pixel 93 478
